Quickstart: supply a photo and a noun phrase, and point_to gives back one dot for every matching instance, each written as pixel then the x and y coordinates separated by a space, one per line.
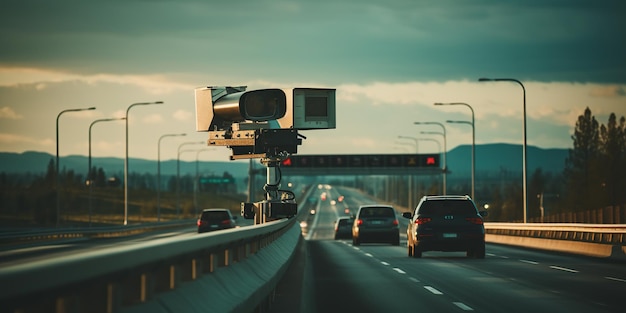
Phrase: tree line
pixel 31 199
pixel 594 176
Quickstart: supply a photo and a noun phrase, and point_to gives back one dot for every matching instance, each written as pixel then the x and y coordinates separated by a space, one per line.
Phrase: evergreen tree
pixel 613 166
pixel 50 174
pixel 536 188
pixel 581 166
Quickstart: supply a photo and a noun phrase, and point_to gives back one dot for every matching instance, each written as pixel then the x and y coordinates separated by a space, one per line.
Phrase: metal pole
pixel 178 173
pixel 473 151
pixel 197 181
pixel 159 173
pixel 473 142
pixel 58 179
pixel 126 159
pixel 89 178
pixel 410 178
pixel 445 152
pixel 524 180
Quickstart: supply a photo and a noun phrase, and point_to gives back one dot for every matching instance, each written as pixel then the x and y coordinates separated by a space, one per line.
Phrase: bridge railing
pixel 237 268
pixel 596 233
pixel 244 264
pixel 598 240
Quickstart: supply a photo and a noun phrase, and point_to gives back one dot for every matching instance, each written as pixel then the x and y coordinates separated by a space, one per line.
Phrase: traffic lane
pixel 499 284
pixel 348 280
pixel 598 281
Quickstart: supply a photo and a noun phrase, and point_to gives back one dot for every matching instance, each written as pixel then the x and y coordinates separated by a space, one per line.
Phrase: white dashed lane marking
pixel 529 262
pixel 616 279
pixel 463 306
pixel 433 290
pixel 563 269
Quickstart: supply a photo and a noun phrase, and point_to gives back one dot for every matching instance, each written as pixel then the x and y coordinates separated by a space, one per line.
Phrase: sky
pixel 389 61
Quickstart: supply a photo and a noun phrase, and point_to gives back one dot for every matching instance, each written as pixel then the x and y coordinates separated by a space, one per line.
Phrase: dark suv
pixel 215 219
pixel 376 223
pixel 446 223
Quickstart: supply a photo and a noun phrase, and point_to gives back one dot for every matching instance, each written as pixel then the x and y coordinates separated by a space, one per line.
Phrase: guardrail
pixel 46 234
pixel 597 233
pixel 231 270
pixel 237 269
pixel 598 240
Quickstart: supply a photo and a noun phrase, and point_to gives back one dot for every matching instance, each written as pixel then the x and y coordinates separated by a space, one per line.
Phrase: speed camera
pixel 218 108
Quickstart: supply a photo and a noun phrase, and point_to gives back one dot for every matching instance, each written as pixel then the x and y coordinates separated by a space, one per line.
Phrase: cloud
pixel 13 139
pixel 608 91
pixel 153 119
pixel 182 115
pixel 41 78
pixel 9 113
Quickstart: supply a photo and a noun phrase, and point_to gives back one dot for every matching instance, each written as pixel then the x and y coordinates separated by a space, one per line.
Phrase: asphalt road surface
pixel 334 276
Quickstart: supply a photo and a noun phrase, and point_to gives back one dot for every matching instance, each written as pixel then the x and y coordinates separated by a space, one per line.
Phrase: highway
pixel 382 278
pixel 338 277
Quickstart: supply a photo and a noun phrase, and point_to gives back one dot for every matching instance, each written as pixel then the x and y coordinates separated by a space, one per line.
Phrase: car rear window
pixel 377 212
pixel 213 216
pixel 343 222
pixel 446 207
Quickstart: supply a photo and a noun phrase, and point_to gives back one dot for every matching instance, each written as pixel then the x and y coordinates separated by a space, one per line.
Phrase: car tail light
pixel 422 220
pixel 200 222
pixel 475 220
pixel 395 223
pixel 359 222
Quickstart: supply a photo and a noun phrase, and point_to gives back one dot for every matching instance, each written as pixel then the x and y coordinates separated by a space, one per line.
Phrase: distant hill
pixel 489 158
pixel 37 162
pixel 494 157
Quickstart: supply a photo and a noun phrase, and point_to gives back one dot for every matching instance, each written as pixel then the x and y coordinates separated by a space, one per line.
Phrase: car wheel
pixel 396 241
pixel 479 253
pixel 417 253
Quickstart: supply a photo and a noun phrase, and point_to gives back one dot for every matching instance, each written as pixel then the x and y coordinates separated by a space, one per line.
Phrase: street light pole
pixel 473 141
pixel 524 181
pixel 126 159
pixel 435 141
pixel 444 139
pixel 414 139
pixel 473 151
pixel 445 151
pixel 178 173
pixel 89 178
pixel 197 180
pixel 410 204
pixel 58 179
pixel 159 172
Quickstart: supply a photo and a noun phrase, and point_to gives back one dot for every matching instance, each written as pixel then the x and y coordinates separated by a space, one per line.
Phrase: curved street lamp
pixel 445 152
pixel 159 172
pixel 126 158
pixel 411 138
pixel 197 180
pixel 58 179
pixel 473 150
pixel 524 181
pixel 410 178
pixel 473 140
pixel 89 178
pixel 178 172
